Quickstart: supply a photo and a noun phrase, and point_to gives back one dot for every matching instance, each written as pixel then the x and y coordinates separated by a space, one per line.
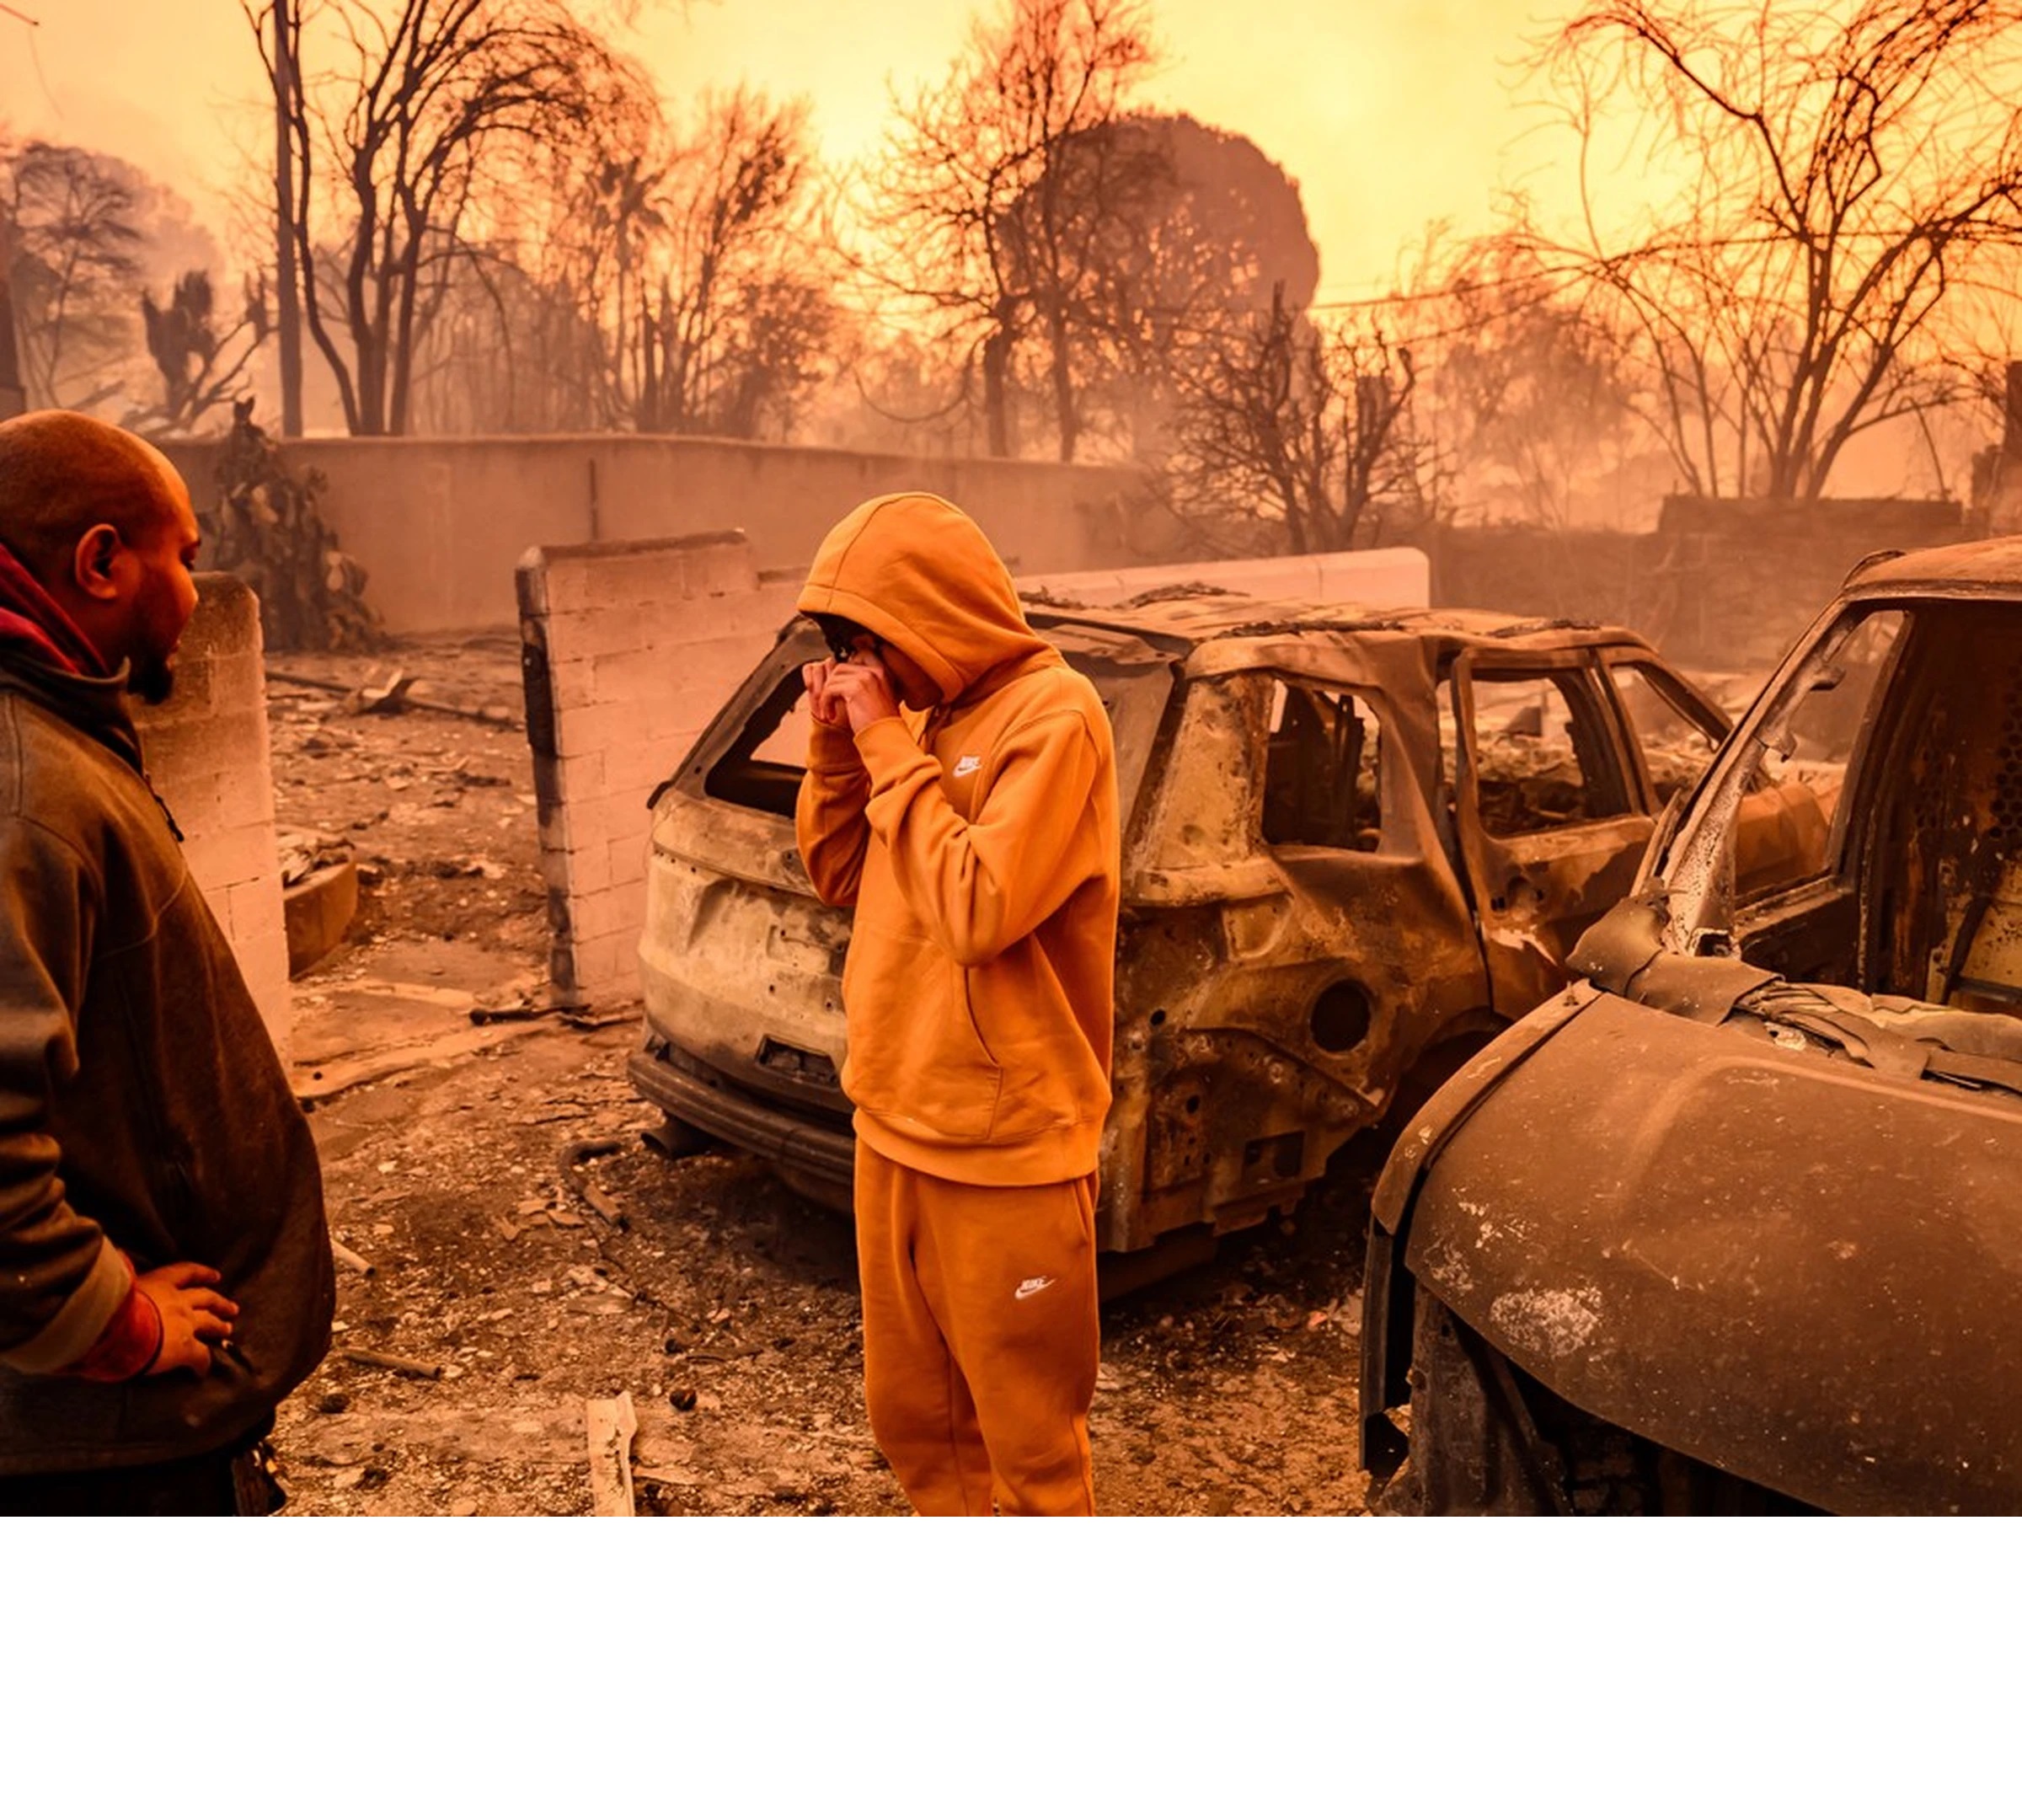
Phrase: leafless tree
pixel 649 280
pixel 741 318
pixel 75 271
pixel 508 352
pixel 409 120
pixel 1525 387
pixel 987 222
pixel 1298 432
pixel 1842 176
pixel 1185 225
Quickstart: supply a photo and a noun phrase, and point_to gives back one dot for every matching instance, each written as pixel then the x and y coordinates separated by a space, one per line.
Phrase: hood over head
pixel 919 573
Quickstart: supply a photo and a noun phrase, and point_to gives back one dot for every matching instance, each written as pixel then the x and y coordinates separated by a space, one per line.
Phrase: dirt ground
pixel 529 1248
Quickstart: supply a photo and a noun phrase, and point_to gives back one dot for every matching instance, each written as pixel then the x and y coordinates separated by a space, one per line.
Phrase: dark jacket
pixel 141 1104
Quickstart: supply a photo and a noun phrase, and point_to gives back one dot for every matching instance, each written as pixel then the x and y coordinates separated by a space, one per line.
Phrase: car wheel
pixel 1474 1448
pixel 1489 1439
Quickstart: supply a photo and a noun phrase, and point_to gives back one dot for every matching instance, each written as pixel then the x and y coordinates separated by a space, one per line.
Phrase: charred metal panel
pixel 1754 1263
pixel 746 969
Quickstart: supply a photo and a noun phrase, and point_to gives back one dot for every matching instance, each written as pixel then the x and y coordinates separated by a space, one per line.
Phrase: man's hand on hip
pixel 193 1315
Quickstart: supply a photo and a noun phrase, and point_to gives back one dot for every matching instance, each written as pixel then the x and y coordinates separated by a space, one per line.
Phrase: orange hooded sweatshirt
pixel 978 843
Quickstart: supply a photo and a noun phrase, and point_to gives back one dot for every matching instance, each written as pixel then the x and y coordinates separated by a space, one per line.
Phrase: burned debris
pixel 268 527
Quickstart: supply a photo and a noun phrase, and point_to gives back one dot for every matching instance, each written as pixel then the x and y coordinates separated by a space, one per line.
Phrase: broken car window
pixel 1676 749
pixel 1320 770
pixel 1804 764
pixel 1543 752
pixel 762 768
pixel 1819 731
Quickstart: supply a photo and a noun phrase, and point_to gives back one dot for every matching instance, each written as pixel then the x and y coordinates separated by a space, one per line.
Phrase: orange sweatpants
pixel 981 1340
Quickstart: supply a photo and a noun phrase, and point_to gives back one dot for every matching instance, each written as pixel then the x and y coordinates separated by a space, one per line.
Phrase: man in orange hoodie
pixel 975 834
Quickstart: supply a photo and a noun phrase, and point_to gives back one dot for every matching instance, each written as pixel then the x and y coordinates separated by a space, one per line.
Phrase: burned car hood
pixel 1755 1249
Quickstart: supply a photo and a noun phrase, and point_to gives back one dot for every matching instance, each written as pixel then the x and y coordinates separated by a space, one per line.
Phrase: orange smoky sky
pixel 1390 114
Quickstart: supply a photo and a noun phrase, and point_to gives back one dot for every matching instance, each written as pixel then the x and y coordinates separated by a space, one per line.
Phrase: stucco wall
pixel 208 757
pixel 441 523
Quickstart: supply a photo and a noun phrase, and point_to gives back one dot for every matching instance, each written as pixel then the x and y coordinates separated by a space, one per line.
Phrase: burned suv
pixel 1357 843
pixel 1732 1222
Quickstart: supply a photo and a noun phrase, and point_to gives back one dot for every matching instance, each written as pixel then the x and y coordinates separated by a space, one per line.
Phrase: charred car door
pixel 1550 812
pixel 1780 834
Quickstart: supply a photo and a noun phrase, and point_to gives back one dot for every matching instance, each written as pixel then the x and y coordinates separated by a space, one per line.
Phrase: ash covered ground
pixel 528 1247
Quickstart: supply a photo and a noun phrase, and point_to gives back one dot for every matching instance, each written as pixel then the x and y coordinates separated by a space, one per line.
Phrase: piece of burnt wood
pixel 612 1424
pixel 392 1362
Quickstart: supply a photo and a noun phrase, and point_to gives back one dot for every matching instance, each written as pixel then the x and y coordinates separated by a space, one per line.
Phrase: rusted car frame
pixel 1339 877
pixel 1731 1223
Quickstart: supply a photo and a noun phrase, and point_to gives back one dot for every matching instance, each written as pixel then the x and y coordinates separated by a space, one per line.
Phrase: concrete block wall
pixel 206 751
pixel 629 649
pixel 440 522
pixel 1398 576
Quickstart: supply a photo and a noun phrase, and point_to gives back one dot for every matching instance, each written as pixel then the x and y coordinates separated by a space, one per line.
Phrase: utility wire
pixel 35 55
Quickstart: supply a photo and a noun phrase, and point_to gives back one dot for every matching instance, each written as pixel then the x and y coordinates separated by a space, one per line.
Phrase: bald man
pixel 165 1273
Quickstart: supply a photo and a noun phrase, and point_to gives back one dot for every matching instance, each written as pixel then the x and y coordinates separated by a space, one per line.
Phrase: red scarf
pixel 33 623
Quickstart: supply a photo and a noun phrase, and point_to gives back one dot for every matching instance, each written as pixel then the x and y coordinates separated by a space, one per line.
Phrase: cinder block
pixel 266 970
pixel 594 730
pixel 194 690
pixel 721 655
pixel 587 870
pixel 260 945
pixel 256 906
pixel 554 823
pixel 572 684
pixel 555 873
pixel 590 821
pixel 627 856
pixel 579 777
pixel 226 856
pixel 614 910
pixel 601 630
pixel 606 968
pixel 238 682
pixel 723 568
pixel 173 748
pixel 227 619
pixel 633 772
pixel 242 795
pixel 622 816
pixel 642 676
